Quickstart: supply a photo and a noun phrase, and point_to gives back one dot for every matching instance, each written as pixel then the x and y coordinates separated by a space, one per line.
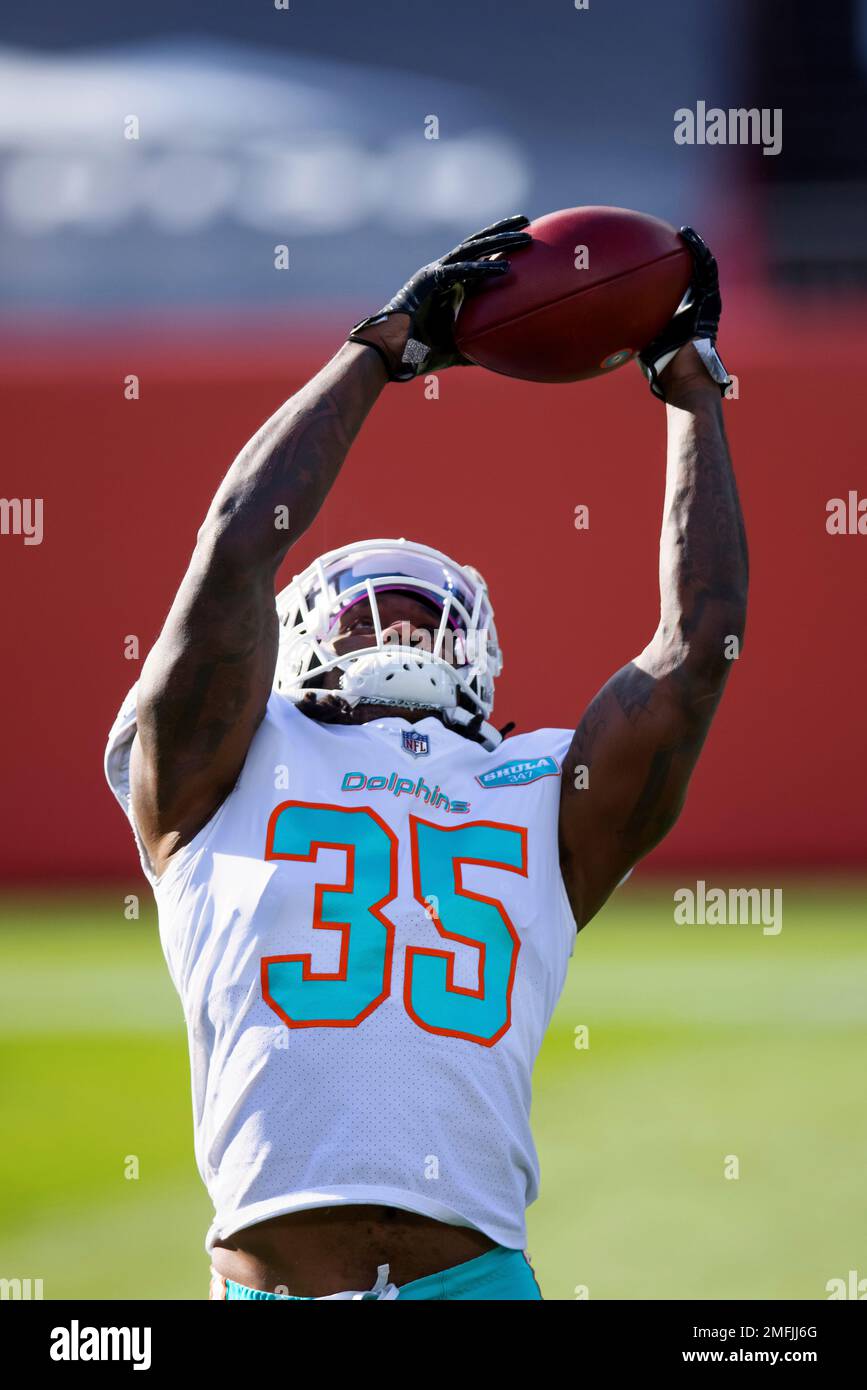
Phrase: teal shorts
pixel 500 1274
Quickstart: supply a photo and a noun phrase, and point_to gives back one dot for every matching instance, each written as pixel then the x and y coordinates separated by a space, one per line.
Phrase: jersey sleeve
pixel 116 764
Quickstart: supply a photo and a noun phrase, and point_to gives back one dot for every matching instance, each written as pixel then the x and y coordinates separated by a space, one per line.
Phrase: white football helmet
pixel 412 672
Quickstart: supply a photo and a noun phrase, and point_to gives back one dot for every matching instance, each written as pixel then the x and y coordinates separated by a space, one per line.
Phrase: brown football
pixel 595 286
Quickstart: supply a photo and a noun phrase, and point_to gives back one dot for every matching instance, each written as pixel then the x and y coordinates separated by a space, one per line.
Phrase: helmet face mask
pixel 449 667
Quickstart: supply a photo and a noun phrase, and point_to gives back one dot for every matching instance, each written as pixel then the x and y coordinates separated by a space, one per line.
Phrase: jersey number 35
pixel 304 998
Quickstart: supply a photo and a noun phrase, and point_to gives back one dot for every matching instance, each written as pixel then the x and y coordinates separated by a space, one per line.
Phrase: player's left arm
pixel 641 736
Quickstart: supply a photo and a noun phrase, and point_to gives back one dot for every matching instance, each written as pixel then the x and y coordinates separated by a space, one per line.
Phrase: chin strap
pixel 414 682
pixel 399 677
pixel 491 738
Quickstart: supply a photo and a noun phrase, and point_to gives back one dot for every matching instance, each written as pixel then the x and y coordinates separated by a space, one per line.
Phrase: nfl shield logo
pixel 416 744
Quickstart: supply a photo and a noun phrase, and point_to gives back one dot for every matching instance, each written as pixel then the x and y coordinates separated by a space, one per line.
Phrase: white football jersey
pixel 368 938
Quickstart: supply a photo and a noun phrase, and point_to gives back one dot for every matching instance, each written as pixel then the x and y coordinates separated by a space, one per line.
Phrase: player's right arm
pixel 206 682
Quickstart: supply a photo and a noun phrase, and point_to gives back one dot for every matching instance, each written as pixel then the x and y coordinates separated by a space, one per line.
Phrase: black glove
pixel 696 321
pixel 431 299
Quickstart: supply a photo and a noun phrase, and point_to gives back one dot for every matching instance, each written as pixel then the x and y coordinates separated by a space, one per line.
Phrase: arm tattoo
pixel 641 735
pixel 205 684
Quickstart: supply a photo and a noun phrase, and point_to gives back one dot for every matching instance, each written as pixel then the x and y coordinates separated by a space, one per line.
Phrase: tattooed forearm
pixel 703 554
pixel 280 479
pixel 639 739
pixel 205 684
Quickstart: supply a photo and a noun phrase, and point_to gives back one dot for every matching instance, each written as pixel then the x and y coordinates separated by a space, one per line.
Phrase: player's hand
pixel 414 331
pixel 696 321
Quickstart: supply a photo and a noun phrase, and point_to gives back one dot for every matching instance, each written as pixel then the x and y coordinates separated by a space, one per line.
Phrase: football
pixel 596 285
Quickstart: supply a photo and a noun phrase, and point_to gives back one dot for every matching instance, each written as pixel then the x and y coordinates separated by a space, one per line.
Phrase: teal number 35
pixel 304 998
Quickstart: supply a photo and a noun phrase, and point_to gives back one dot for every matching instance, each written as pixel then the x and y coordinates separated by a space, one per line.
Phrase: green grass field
pixel 704 1042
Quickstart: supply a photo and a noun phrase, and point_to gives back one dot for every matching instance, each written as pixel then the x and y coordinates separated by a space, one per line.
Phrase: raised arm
pixel 641 735
pixel 206 682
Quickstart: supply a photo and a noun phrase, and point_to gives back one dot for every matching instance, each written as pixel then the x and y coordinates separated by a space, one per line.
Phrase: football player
pixel 367 897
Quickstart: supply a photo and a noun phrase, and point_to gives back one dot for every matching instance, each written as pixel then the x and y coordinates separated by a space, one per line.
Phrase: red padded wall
pixel 491 471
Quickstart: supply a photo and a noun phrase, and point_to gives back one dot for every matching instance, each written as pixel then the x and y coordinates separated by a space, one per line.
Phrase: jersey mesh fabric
pixel 387 1111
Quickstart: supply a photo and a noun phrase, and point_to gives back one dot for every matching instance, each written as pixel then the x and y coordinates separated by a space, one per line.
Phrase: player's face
pixel 408 619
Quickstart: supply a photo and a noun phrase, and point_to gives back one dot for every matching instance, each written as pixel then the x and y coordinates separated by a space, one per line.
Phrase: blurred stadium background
pixel 155 257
